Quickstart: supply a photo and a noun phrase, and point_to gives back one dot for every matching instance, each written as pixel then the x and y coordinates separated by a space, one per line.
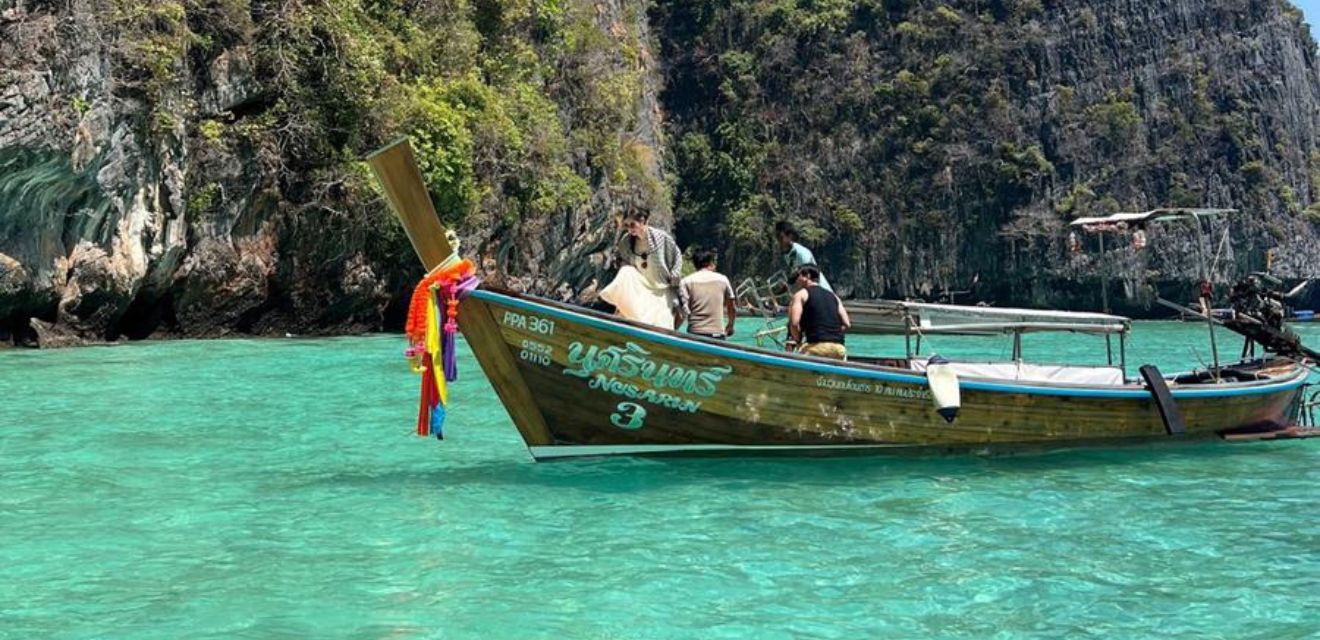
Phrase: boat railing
pixel 1307 401
pixel 768 298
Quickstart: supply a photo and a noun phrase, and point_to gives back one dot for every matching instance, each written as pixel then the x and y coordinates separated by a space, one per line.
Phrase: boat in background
pixel 576 382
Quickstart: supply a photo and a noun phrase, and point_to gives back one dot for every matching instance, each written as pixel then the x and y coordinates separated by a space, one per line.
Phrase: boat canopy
pixel 1154 215
pixel 897 317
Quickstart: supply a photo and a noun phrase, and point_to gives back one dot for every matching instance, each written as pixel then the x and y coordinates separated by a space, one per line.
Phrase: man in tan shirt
pixel 707 298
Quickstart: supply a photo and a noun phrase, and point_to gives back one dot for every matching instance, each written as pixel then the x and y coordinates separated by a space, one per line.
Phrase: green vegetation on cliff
pixel 516 108
pixel 215 146
pixel 247 121
pixel 923 143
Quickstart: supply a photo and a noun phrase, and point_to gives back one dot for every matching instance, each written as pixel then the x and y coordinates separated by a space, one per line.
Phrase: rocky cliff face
pixel 191 168
pixel 100 154
pixel 929 147
pixel 1228 99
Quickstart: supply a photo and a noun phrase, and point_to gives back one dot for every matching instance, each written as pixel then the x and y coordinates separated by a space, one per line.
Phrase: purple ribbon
pixel 451 363
pixel 463 289
pixel 466 286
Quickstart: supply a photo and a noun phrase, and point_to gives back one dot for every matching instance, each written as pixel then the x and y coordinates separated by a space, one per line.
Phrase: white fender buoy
pixel 943 381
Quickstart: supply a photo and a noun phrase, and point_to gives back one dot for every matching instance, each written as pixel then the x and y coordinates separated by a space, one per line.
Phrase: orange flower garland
pixel 415 328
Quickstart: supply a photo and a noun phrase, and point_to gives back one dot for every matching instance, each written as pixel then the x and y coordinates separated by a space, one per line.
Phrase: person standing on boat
pixel 646 287
pixel 795 255
pixel 707 298
pixel 816 318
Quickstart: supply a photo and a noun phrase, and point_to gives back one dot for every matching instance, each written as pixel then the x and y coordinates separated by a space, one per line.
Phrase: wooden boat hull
pixel 580 383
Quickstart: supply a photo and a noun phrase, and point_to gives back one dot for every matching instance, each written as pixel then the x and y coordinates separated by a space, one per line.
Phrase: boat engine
pixel 1250 297
pixel 1258 314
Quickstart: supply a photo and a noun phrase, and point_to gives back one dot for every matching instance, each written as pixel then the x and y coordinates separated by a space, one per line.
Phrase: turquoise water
pixel 273 489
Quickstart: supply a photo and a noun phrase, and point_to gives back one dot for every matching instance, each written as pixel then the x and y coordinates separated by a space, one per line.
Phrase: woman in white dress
pixel 646 287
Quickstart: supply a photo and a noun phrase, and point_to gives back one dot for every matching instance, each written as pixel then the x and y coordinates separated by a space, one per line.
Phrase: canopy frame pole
pixel 1202 236
pixel 1104 276
pixel 1214 345
pixel 1122 354
pixel 907 335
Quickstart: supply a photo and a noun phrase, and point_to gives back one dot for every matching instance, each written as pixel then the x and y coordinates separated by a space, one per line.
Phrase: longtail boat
pixel 577 382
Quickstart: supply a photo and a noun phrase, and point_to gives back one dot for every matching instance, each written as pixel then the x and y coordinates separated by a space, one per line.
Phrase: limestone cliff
pixel 192 167
pixel 930 147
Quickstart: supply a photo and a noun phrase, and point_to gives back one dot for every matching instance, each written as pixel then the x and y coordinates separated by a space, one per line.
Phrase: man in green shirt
pixel 796 255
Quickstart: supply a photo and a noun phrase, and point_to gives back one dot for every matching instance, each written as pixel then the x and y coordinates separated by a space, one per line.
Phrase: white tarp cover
pixel 1027 372
pixel 892 316
pixel 637 298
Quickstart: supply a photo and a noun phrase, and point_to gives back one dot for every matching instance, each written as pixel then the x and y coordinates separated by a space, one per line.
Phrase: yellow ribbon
pixel 433 347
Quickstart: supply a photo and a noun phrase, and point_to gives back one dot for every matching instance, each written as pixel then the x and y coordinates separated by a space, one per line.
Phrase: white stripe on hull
pixel 570 451
pixel 554 452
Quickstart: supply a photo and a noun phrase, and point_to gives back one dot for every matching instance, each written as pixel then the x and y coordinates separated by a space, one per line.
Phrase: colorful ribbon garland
pixel 431 328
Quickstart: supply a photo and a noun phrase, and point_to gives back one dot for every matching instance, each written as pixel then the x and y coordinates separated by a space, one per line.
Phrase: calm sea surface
pixel 273 489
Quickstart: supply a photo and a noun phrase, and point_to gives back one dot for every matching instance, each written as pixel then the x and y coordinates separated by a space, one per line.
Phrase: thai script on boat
pixel 630 371
pixel 843 385
pixel 632 361
pixel 904 391
pixel 895 391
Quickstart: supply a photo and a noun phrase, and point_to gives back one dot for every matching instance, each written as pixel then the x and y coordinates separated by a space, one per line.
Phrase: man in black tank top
pixel 816 318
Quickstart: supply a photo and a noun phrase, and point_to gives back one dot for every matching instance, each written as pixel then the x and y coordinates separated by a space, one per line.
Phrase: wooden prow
pixel 395 167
